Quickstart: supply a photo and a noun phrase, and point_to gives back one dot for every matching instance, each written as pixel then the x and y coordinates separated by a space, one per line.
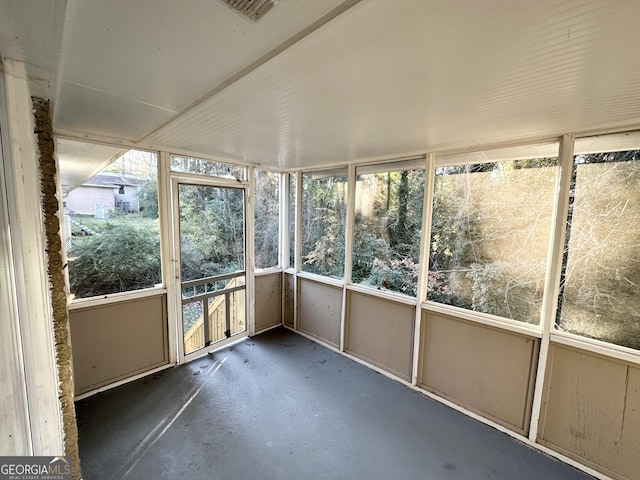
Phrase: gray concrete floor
pixel 278 406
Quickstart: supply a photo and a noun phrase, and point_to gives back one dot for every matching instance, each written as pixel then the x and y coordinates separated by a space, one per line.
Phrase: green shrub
pixel 121 259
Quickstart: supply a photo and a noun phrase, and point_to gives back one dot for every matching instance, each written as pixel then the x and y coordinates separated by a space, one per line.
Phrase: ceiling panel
pixel 380 79
pixel 163 55
pixel 31 32
pixel 389 78
pixel 101 113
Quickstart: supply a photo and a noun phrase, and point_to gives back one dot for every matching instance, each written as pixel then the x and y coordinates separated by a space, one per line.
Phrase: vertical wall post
pixel 423 268
pixel 250 268
pixel 298 247
pixel 167 249
pixel 348 249
pixel 283 193
pixel 30 267
pixel 14 409
pixel 552 276
pixel 283 239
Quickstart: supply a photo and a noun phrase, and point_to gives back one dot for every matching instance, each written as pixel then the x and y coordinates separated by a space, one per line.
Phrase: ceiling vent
pixel 254 10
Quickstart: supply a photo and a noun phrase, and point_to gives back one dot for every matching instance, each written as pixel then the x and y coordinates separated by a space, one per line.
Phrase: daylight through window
pixel 323 222
pixel 387 225
pixel 200 166
pixel 600 285
pixel 111 221
pixel 490 235
pixel 266 223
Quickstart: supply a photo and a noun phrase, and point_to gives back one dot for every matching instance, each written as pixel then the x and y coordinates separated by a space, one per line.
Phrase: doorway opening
pixel 211 244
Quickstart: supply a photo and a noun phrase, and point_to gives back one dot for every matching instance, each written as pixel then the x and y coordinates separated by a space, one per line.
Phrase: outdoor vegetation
pixel 211 230
pixel 323 221
pixel 119 252
pixel 387 227
pixel 600 286
pixel 488 250
pixel 208 168
pixel 122 255
pixel 212 243
pixel 266 220
pixel 490 235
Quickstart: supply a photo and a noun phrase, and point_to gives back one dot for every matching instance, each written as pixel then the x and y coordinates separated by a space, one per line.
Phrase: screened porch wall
pixel 509 372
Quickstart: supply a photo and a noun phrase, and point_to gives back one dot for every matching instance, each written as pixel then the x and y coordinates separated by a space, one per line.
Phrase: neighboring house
pixel 105 193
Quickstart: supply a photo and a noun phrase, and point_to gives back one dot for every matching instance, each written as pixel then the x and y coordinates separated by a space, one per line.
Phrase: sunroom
pixel 445 193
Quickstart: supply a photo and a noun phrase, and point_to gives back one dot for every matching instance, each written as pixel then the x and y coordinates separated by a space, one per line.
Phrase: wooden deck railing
pixel 220 323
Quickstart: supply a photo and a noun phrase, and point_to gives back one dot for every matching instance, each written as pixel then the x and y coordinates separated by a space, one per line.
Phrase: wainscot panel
pixel 485 369
pixel 320 310
pixel 591 410
pixel 118 340
pixel 380 331
pixel 268 300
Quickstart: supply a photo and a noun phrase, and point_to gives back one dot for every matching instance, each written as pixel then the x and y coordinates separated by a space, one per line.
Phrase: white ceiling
pixel 316 82
pixel 31 31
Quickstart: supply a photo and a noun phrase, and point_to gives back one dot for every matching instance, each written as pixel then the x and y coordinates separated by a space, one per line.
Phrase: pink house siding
pixel 83 200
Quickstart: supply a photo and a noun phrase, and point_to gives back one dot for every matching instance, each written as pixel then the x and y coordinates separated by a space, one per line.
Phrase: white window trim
pixel 82 303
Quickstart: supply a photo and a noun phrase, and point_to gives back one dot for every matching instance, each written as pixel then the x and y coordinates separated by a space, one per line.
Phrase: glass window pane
pixel 201 166
pixel 387 226
pixel 600 287
pixel 111 222
pixel 266 223
pixel 292 220
pixel 490 234
pixel 211 230
pixel 323 218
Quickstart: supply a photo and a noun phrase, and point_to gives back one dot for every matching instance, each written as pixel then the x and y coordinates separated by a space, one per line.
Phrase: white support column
pixel 250 296
pixel 298 243
pixel 14 410
pixel 348 226
pixel 348 249
pixel 552 277
pixel 298 247
pixel 167 256
pixel 30 267
pixel 283 211
pixel 283 247
pixel 423 269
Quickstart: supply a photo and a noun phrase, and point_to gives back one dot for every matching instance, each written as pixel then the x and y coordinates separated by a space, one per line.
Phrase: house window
pixel 121 189
pixel 600 283
pixel 266 222
pixel 109 252
pixel 387 225
pixel 490 232
pixel 323 221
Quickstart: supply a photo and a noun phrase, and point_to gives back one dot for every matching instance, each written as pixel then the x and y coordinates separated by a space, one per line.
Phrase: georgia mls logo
pixel 35 468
